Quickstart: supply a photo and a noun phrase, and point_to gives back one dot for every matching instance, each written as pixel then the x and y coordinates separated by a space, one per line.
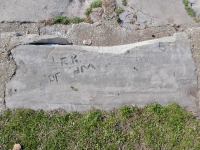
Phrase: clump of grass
pixel 76 20
pixel 152 127
pixel 60 19
pixel 185 2
pixel 125 111
pixel 124 2
pixel 119 10
pixel 118 19
pixel 65 20
pixel 95 4
pixel 88 11
pixel 196 20
pixel 190 11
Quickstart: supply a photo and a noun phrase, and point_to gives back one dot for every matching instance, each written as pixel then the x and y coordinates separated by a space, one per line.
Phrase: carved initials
pixel 89 66
pixel 53 77
pixel 63 60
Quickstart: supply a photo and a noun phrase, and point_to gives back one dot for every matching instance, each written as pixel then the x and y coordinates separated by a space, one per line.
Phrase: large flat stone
pixel 36 10
pixel 154 13
pixel 82 77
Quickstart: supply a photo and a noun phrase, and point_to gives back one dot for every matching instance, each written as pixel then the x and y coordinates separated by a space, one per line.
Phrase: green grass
pixel 95 4
pixel 190 11
pixel 119 10
pixel 124 2
pixel 154 127
pixel 65 20
pixel 76 20
pixel 88 11
pixel 61 20
pixel 185 2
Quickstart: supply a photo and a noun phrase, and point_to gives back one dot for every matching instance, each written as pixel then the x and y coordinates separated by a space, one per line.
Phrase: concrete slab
pixel 154 12
pixel 77 78
pixel 33 11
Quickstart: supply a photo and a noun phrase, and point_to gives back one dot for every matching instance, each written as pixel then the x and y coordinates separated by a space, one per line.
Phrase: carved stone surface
pixel 78 78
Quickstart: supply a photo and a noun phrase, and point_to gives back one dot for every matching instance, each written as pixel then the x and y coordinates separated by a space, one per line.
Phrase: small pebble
pixel 17 147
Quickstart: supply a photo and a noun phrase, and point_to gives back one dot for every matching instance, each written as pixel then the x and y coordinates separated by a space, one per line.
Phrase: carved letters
pixel 53 77
pixel 84 67
pixel 70 61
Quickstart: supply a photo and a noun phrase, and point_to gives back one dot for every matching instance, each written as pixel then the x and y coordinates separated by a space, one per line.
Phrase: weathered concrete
pixel 7 65
pixel 150 13
pixel 141 13
pixel 35 10
pixel 81 77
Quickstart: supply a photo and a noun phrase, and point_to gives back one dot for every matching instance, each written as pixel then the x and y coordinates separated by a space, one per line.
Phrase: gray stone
pixel 155 12
pixel 127 20
pixel 77 78
pixel 35 10
pixel 87 42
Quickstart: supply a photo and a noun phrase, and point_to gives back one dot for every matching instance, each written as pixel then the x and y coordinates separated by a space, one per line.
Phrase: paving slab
pixel 36 10
pixel 78 78
pixel 154 13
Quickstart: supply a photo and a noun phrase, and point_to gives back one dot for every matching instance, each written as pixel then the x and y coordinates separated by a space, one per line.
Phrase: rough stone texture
pixel 82 77
pixel 35 10
pixel 194 34
pixel 104 33
pixel 21 28
pixel 153 13
pixel 109 7
pixel 7 65
pixel 163 12
pixel 96 14
pixel 110 33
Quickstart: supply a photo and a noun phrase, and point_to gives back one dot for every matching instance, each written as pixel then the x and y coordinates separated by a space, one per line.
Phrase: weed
pixel 95 4
pixel 185 2
pixel 190 11
pixel 60 19
pixel 65 20
pixel 196 20
pixel 88 11
pixel 118 19
pixel 76 20
pixel 119 10
pixel 124 2
pixel 125 111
